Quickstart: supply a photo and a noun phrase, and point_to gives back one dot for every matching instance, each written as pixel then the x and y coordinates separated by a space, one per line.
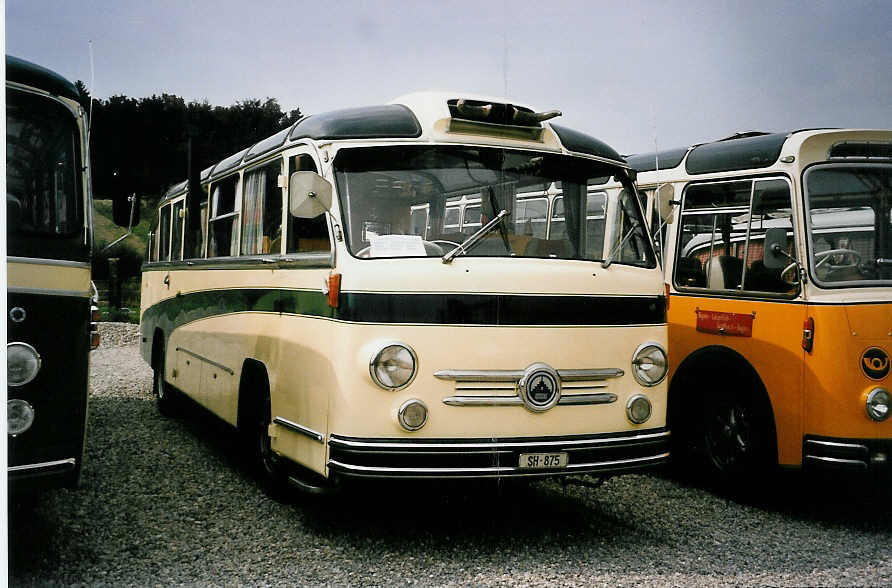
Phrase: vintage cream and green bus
pixel 778 252
pixel 324 301
pixel 49 328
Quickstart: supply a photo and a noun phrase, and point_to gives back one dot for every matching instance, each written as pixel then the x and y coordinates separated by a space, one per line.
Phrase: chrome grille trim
pixel 494 400
pixel 584 399
pixel 489 400
pixel 572 375
pixel 480 375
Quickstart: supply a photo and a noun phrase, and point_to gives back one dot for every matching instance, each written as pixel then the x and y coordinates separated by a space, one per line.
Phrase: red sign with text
pixel 725 323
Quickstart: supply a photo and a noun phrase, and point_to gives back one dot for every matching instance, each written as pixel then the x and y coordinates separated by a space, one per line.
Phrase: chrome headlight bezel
pixel 29 355
pixel 637 363
pixel 19 416
pixel 633 401
pixel 376 360
pixel 878 397
pixel 404 407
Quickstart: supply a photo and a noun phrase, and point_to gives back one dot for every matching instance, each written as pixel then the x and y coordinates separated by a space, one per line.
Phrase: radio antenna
pixel 505 45
pixel 92 91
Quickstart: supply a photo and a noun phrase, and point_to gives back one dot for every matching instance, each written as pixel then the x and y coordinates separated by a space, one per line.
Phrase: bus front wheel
pixel 269 465
pixel 737 436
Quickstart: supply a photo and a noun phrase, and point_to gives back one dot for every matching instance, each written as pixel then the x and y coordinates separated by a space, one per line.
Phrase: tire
pixel 737 436
pixel 164 395
pixel 270 467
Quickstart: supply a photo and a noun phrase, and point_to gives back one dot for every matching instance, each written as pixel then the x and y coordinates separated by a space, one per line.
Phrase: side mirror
pixel 125 210
pixel 309 194
pixel 664 196
pixel 774 254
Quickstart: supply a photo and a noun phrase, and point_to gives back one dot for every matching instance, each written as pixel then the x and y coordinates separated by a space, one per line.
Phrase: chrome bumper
pixel 49 474
pixel 859 455
pixel 490 458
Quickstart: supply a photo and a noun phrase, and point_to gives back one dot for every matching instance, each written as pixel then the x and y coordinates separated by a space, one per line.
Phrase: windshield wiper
pixel 606 263
pixel 466 245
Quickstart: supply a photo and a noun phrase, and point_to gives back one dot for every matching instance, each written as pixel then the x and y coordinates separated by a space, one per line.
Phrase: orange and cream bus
pixel 777 249
pixel 439 287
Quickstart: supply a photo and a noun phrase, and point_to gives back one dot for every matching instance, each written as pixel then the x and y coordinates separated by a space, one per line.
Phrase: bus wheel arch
pixel 253 420
pixel 721 415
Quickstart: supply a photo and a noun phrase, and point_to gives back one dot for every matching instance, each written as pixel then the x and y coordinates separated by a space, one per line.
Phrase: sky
pixel 635 74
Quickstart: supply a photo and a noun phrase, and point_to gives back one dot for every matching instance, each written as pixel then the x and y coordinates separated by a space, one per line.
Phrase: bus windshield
pixel 849 231
pixel 44 201
pixel 424 201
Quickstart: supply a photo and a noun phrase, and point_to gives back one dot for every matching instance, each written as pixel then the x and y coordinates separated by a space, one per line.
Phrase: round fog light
pixel 19 416
pixel 638 409
pixel 878 402
pixel 412 415
pixel 22 363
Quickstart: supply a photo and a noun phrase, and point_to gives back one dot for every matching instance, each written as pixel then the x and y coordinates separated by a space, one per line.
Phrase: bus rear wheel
pixel 163 393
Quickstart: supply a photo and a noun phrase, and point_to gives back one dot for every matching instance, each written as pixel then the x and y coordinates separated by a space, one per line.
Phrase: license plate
pixel 539 461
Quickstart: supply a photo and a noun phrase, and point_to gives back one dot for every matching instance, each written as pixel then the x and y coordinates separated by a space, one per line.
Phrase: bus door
pixel 848 212
pixel 741 316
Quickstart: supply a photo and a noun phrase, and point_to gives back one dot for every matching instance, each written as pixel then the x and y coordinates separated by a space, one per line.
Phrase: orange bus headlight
pixel 878 402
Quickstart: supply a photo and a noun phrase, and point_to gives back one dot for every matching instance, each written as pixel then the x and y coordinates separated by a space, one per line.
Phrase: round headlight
pixel 878 402
pixel 22 363
pixel 19 416
pixel 412 415
pixel 393 367
pixel 649 364
pixel 638 409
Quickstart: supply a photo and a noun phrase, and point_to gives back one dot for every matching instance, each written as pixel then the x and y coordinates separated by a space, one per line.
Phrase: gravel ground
pixel 171 501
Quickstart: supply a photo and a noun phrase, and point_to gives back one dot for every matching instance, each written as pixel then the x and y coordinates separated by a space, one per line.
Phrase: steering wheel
pixel 444 241
pixel 823 256
pixel 793 278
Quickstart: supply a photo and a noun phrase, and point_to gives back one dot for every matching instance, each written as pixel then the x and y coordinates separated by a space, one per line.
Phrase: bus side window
pixel 176 237
pixel 723 233
pixel 164 234
pixel 224 218
pixel 306 234
pixel 262 211
pixel 771 208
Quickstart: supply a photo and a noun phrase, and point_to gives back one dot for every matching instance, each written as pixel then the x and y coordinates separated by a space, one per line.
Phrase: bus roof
pixel 30 74
pixel 419 116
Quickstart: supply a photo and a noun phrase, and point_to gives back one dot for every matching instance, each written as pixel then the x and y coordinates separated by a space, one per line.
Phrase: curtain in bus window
pixel 252 215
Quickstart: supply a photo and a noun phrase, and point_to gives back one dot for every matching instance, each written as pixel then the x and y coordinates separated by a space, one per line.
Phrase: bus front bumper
pixel 855 455
pixel 604 454
pixel 62 473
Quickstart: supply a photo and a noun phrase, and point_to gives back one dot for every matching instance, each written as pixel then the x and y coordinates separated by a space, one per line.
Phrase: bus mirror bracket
pixel 309 194
pixel 774 253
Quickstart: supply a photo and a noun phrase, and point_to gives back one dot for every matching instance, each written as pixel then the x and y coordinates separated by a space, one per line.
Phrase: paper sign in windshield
pixel 397 246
